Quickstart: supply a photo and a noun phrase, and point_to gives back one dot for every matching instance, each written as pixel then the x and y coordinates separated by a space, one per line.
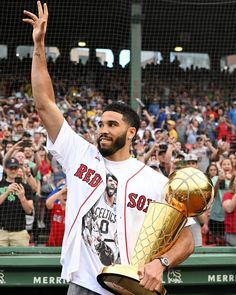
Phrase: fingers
pixel 45 7
pixel 28 21
pixel 42 14
pixel 31 15
pixel 150 278
pixel 40 9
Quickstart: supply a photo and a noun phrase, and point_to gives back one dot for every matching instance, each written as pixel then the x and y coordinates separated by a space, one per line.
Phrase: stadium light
pixel 82 44
pixel 178 49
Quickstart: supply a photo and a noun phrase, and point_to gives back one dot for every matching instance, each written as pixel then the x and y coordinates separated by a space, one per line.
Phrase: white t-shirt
pixel 86 170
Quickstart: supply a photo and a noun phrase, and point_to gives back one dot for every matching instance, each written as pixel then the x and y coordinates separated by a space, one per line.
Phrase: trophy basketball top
pixel 190 191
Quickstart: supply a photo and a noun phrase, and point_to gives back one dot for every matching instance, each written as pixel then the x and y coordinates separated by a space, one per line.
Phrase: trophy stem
pixel 123 280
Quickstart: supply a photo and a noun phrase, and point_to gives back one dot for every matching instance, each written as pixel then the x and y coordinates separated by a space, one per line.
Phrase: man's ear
pixel 131 133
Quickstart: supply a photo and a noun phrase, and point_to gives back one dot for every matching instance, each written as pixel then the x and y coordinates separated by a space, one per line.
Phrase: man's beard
pixel 117 145
pixel 111 192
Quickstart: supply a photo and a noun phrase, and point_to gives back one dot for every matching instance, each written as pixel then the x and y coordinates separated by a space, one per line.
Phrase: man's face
pixel 192 164
pixel 111 186
pixel 20 156
pixel 143 124
pixel 200 141
pixel 7 132
pixel 9 146
pixel 28 151
pixel 112 133
pixel 12 172
pixel 19 128
pixel 37 137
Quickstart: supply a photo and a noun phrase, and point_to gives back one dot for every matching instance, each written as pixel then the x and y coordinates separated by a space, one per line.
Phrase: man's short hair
pixel 129 115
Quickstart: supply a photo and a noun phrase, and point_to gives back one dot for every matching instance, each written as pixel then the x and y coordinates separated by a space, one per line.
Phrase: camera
pixel 18 180
pixel 26 143
pixel 163 147
pixel 222 184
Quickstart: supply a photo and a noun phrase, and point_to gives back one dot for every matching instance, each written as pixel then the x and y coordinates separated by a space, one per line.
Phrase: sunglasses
pixel 12 168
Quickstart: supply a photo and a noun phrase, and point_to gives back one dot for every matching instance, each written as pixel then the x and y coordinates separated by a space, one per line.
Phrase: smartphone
pixel 223 137
pixel 27 143
pixel 18 180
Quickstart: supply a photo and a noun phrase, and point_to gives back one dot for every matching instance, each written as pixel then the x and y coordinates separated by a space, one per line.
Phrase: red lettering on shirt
pixel 87 175
pixel 95 180
pixel 132 200
pixel 81 170
pixel 148 202
pixel 140 202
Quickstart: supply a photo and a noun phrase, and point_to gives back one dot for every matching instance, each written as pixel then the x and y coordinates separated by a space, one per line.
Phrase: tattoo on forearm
pixel 37 54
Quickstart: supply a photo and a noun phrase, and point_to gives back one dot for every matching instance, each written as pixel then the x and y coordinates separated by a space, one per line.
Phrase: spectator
pixel 224 129
pixel 191 160
pixel 56 203
pixel 232 113
pixel 229 205
pixel 192 131
pixel 204 151
pixel 18 131
pixel 171 129
pixel 6 134
pixel 46 184
pixel 212 170
pixel 147 138
pixel 15 202
pixel 217 214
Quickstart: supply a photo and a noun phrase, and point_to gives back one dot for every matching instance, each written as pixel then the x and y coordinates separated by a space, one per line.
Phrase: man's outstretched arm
pixel 43 92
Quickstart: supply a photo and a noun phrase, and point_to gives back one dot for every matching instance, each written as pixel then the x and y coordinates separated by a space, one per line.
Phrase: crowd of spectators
pixel 187 118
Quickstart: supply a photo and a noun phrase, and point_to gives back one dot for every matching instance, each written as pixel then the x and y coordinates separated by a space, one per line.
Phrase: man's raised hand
pixel 39 22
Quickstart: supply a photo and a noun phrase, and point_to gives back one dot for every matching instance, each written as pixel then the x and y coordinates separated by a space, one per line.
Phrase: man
pixel 6 134
pixel 204 151
pixel 15 203
pixel 86 168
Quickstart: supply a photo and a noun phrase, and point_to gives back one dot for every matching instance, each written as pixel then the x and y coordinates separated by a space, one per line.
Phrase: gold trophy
pixel 188 193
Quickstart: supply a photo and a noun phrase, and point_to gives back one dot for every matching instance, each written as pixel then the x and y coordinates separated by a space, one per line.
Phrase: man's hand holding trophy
pixel 188 193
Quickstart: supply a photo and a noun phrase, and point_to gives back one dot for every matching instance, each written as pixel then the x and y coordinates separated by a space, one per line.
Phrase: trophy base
pixel 123 280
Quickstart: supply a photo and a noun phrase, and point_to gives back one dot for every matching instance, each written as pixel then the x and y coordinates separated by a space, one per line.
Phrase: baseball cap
pixel 171 122
pixel 158 130
pixel 12 163
pixel 191 157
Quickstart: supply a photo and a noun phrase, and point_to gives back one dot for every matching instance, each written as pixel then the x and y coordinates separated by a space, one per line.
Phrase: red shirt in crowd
pixel 57 218
pixel 223 130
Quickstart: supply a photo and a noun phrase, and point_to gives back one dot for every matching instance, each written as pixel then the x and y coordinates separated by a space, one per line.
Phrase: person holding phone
pixel 15 203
